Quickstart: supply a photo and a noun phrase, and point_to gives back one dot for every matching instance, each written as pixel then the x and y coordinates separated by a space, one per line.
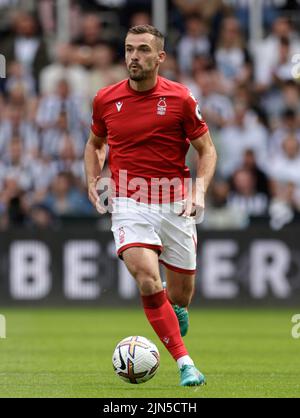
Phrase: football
pixel 135 359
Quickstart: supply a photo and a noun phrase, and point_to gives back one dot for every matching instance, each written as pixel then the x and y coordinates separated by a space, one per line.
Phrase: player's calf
pixel 180 311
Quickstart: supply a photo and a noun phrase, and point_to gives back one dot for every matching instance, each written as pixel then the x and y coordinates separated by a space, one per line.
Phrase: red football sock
pixel 163 319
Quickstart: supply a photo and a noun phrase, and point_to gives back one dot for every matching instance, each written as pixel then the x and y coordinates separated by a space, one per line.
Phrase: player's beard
pixel 139 74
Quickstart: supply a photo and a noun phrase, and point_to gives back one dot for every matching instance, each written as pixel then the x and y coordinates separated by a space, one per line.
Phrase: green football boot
pixel 182 316
pixel 190 376
pixel 183 319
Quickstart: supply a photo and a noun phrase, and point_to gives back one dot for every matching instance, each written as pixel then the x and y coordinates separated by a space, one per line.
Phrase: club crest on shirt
pixel 121 235
pixel 162 106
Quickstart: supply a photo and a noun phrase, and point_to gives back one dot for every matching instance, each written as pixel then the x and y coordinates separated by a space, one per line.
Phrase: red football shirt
pixel 148 134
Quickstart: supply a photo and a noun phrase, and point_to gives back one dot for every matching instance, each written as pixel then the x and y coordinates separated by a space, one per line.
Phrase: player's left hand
pixel 194 205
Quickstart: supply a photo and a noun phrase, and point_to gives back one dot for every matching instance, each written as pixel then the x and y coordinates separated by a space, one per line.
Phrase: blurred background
pixel 241 60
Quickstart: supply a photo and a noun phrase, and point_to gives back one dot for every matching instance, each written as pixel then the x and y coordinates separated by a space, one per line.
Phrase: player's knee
pixel 181 300
pixel 148 287
pixel 181 297
pixel 148 282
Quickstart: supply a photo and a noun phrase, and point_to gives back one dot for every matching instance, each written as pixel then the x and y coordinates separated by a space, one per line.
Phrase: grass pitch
pixel 67 353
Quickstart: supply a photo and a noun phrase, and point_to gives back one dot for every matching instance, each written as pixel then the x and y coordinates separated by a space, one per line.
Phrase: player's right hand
pixel 94 196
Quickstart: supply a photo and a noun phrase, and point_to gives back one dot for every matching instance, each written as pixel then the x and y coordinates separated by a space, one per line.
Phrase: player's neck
pixel 143 85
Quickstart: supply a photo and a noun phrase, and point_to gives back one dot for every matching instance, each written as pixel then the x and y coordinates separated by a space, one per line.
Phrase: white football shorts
pixel 159 227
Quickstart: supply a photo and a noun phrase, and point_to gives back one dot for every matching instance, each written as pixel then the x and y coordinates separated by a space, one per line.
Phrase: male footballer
pixel 149 122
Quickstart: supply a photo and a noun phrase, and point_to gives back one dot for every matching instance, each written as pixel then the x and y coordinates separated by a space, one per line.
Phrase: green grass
pixel 67 353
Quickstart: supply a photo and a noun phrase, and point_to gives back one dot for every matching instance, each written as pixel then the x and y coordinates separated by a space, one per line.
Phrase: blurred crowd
pixel 249 94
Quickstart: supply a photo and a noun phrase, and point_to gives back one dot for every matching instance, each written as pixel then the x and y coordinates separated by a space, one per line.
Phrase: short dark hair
pixel 139 29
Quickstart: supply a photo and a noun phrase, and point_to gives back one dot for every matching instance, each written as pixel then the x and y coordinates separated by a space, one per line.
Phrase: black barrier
pixel 77 266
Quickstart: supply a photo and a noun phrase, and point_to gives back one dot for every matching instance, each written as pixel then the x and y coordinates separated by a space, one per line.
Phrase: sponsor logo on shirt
pixel 166 340
pixel 119 106
pixel 197 109
pixel 198 112
pixel 162 106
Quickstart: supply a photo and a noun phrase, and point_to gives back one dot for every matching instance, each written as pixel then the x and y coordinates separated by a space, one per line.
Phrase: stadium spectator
pixel 249 163
pixel 245 195
pixel 208 9
pixel 286 96
pixel 267 53
pixel 218 194
pixel 68 159
pixel 43 171
pixel 202 62
pixel 6 9
pixel 238 136
pixel 105 69
pixel 40 217
pixel 114 15
pixel 270 12
pixel 284 66
pixel 231 56
pixel 17 166
pixel 15 180
pixel 12 204
pixel 91 36
pixel 216 107
pixel 64 67
pixel 53 140
pixel 285 183
pixel 65 199
pixel 288 124
pixel 15 124
pixel 62 100
pixel 132 7
pixel 284 168
pixel 220 215
pixel 17 77
pixel 290 96
pixel 48 11
pixel 26 45
pixel 212 12
pixel 195 41
pixel 140 18
pixel 170 69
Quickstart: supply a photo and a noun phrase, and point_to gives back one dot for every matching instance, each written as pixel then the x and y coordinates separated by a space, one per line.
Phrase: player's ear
pixel 161 57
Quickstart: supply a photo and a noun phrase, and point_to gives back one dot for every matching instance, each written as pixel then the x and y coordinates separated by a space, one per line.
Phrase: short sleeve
pixel 193 122
pixel 98 126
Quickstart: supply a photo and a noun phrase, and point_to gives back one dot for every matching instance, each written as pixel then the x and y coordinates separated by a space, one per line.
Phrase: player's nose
pixel 134 62
pixel 134 56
